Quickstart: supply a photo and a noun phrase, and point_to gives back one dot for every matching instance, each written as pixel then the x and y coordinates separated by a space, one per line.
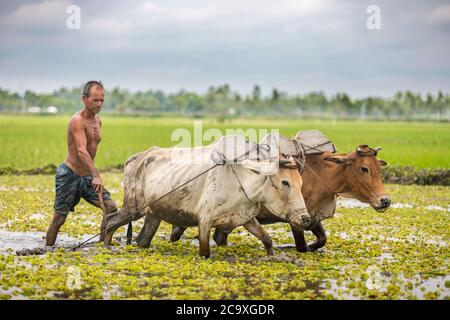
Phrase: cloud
pixel 440 15
pixel 178 12
pixel 109 25
pixel 47 16
pixel 232 12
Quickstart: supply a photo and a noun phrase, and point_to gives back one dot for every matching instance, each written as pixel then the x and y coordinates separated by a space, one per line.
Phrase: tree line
pixel 222 101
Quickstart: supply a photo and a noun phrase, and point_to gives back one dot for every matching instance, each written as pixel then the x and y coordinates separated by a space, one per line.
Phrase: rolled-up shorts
pixel 70 188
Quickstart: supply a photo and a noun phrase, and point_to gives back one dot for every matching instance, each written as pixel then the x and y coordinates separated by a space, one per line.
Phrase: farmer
pixel 77 177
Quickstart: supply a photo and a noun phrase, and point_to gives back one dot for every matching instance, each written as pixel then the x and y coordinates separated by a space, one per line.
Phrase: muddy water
pixel 13 241
pixel 353 203
pixel 420 286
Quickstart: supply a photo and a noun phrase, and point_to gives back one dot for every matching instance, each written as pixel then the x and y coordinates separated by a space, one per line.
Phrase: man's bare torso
pixel 92 131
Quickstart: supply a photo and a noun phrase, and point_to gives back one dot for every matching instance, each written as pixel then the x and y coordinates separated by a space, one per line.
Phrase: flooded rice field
pixel 402 253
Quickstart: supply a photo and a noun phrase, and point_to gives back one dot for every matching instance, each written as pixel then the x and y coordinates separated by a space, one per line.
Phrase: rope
pixel 242 187
pixel 314 148
pixel 173 190
pixel 320 179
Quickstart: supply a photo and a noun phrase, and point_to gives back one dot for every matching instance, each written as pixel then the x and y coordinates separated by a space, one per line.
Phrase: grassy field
pixel 33 141
pixel 400 254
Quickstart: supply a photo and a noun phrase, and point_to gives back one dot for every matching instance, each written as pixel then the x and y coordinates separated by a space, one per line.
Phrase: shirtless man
pixel 77 176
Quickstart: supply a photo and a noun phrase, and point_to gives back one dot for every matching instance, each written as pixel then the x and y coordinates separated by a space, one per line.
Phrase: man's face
pixel 94 101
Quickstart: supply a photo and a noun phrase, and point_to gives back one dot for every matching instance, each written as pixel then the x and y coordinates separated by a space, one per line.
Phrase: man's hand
pixel 97 184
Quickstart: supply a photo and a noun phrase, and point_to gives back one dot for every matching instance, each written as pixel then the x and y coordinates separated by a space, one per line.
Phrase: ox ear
pixel 383 162
pixel 266 168
pixel 339 159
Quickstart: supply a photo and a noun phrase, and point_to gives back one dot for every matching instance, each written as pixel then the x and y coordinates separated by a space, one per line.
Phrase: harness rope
pixel 171 191
pixel 313 148
pixel 161 197
pixel 237 178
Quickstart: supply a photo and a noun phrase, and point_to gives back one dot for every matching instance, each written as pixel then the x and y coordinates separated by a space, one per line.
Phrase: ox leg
pixel 113 222
pixel 204 230
pixel 110 207
pixel 140 234
pixel 221 237
pixel 149 229
pixel 258 231
pixel 299 237
pixel 319 232
pixel 176 234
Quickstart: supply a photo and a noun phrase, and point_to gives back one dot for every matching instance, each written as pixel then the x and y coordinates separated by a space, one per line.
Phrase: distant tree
pixel 256 93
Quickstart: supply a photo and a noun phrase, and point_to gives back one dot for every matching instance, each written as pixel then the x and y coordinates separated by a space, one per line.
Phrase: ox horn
pixel 300 166
pixel 366 153
pixel 287 163
pixel 360 148
pixel 377 149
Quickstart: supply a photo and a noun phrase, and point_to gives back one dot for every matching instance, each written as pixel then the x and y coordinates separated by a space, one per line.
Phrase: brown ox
pixel 356 175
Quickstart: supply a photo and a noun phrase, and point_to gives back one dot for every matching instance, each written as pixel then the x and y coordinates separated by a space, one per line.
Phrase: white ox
pixel 214 199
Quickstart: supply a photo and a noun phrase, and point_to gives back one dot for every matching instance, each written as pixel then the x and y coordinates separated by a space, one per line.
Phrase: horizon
pixel 265 93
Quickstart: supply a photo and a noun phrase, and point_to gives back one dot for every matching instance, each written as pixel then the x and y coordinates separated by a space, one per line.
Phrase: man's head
pixel 93 96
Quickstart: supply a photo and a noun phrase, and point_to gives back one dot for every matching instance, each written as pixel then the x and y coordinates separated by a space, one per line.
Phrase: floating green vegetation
pixel 400 254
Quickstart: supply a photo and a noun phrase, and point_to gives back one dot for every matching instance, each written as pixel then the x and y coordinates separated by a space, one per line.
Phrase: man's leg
pixel 58 221
pixel 66 198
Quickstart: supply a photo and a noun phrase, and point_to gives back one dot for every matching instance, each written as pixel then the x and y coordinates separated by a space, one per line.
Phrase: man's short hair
pixel 87 87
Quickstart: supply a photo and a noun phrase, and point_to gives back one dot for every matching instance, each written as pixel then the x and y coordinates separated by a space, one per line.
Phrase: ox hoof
pixel 221 242
pixel 220 238
pixel 174 237
pixel 143 244
pixel 314 248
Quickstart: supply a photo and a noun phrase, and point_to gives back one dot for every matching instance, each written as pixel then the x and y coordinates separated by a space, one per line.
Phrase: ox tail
pixel 129 232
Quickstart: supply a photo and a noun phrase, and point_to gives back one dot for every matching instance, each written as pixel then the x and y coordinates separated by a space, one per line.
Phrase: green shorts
pixel 70 188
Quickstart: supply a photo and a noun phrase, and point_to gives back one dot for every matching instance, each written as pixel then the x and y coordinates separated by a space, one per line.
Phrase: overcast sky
pixel 295 45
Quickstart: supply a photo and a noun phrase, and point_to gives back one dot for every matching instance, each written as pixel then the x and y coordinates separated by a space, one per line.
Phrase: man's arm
pixel 79 135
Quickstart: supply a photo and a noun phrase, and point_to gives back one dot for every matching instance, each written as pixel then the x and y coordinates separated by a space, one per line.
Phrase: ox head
pixel 363 176
pixel 282 194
